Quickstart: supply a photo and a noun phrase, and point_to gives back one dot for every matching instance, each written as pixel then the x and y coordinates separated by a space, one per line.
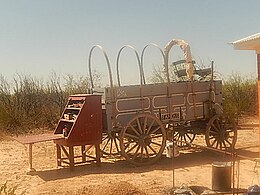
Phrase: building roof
pixel 248 43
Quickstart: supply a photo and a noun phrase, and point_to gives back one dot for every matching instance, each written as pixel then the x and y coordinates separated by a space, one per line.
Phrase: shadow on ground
pixel 121 166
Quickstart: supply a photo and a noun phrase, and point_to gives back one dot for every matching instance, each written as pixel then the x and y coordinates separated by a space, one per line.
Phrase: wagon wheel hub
pixel 223 135
pixel 144 140
pixel 112 134
pixel 181 133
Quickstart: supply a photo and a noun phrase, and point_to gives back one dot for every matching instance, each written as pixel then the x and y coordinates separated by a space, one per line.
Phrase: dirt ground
pixel 116 176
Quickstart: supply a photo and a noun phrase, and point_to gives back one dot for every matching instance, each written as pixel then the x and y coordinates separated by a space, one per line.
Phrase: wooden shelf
pixel 72 108
pixel 65 120
pixel 84 128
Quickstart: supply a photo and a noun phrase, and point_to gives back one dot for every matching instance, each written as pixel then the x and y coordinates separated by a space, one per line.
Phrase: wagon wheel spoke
pixel 116 140
pixel 142 151
pixel 148 139
pixel 134 130
pixel 106 144
pixel 156 136
pixel 225 146
pixel 185 139
pixel 150 126
pixel 214 141
pixel 136 152
pixel 104 138
pixel 228 142
pixel 217 144
pixel 110 143
pixel 139 126
pixel 147 153
pixel 116 144
pixel 184 136
pixel 216 128
pixel 127 144
pixel 131 149
pixel 154 152
pixel 155 130
pixel 145 124
pixel 217 121
pixel 221 133
pixel 212 137
pixel 189 137
pixel 220 145
pixel 156 144
pixel 131 136
pixel 213 133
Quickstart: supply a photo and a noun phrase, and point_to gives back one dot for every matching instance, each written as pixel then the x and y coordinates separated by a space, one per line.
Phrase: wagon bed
pixel 138 119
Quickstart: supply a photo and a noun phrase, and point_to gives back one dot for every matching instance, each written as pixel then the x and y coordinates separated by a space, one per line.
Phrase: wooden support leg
pixel 31 169
pixel 83 152
pixel 71 157
pixel 58 155
pixel 98 155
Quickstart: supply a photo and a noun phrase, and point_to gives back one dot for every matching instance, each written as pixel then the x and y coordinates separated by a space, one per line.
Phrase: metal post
pixel 173 171
pixel 210 90
pixel 233 171
pixel 258 71
pixel 31 169
pixel 238 173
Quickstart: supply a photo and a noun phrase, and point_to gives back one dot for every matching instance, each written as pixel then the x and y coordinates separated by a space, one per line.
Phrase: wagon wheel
pixel 143 140
pixel 221 133
pixel 182 135
pixel 184 138
pixel 110 143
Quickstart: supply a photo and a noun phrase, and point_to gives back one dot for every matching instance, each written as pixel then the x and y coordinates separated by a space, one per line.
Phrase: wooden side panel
pixel 88 126
pixel 84 120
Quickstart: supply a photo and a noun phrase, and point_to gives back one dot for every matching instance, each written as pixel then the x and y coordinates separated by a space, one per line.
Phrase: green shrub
pixel 240 95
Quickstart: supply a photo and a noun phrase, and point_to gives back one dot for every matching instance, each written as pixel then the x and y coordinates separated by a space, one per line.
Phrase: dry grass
pixel 29 103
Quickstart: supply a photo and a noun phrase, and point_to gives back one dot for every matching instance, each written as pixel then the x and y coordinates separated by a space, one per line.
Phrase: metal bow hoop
pixel 108 65
pixel 142 57
pixel 138 60
pixel 187 55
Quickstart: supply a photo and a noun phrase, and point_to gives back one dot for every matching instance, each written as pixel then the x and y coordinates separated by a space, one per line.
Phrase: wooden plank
pixel 71 157
pixel 31 139
pixel 58 154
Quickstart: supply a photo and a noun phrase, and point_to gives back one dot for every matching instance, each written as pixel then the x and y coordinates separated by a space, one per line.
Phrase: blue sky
pixel 38 37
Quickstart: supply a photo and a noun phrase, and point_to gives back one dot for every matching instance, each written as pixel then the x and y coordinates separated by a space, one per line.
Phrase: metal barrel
pixel 221 176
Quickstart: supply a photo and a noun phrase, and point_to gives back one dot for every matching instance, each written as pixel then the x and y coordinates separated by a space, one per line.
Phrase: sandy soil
pixel 116 176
